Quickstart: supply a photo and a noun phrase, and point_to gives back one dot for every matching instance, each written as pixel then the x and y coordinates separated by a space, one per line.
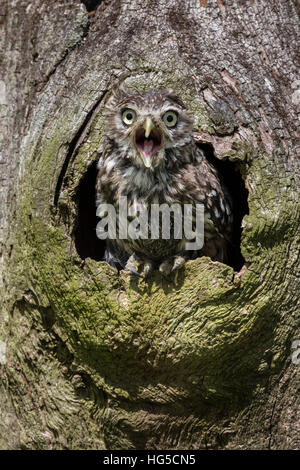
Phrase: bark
pixel 94 360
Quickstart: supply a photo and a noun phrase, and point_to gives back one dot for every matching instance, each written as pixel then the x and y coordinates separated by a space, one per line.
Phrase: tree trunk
pixel 93 359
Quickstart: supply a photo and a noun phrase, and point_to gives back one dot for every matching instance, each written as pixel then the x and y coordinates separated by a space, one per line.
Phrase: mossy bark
pixel 97 360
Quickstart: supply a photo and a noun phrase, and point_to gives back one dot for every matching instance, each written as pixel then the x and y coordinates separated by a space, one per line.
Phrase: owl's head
pixel 145 125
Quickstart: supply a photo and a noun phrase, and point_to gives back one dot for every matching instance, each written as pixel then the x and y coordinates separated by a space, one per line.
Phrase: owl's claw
pixel 133 271
pixel 148 268
pixel 179 261
pixel 134 265
pixel 168 266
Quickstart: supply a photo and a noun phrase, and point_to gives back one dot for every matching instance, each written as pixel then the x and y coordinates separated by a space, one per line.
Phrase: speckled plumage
pixel 179 173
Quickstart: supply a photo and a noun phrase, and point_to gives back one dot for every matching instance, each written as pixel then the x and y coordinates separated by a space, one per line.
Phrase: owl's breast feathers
pixel 189 179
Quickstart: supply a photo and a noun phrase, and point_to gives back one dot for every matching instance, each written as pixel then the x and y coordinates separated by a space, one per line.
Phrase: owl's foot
pixel 138 267
pixel 168 266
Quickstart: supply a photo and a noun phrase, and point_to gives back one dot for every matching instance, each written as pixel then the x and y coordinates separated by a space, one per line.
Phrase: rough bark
pixel 94 360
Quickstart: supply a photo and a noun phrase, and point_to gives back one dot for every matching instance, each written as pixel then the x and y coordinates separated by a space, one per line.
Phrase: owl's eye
pixel 128 116
pixel 170 118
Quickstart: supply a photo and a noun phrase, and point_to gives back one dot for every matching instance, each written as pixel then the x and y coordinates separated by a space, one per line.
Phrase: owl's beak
pixel 148 126
pixel 148 140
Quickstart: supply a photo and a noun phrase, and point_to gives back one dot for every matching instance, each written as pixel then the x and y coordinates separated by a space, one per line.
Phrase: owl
pixel 149 157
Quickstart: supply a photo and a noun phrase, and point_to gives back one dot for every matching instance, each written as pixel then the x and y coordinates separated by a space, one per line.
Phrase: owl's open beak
pixel 148 140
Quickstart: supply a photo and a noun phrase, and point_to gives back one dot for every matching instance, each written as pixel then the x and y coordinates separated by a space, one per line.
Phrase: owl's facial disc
pixel 148 140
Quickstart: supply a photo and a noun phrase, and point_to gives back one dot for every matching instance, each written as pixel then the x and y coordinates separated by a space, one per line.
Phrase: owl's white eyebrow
pixel 127 106
pixel 174 110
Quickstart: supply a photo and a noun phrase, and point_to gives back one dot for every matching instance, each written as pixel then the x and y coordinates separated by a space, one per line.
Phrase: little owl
pixel 149 156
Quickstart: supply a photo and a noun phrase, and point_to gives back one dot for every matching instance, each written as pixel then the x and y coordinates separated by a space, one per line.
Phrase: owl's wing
pixel 217 200
pixel 204 186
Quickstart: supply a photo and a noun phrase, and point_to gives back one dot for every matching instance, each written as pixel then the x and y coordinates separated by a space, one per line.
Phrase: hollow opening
pixel 86 242
pixel 231 175
pixel 89 246
pixel 91 5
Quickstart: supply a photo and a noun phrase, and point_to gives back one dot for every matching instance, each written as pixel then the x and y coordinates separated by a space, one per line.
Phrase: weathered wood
pixel 98 361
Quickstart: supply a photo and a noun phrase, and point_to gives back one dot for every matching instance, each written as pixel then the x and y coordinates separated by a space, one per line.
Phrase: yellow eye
pixel 128 116
pixel 170 118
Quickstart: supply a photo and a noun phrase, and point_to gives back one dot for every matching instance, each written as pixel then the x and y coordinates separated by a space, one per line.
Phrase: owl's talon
pixel 147 271
pixel 179 261
pixel 134 265
pixel 171 265
pixel 133 271
pixel 148 267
